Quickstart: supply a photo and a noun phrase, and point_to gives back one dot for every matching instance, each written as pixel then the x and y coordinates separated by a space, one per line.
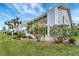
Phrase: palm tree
pixel 3 29
pixel 13 24
pixel 9 24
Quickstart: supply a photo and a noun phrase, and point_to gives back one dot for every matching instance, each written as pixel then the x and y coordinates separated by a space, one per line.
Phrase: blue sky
pixel 28 11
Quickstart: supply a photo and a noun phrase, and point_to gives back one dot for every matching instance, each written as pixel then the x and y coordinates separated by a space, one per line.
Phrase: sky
pixel 29 11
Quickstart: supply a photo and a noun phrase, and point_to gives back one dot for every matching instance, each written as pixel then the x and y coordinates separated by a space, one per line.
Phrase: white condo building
pixel 58 15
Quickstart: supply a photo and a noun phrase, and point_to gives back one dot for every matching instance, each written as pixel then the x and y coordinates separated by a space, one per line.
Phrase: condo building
pixel 58 15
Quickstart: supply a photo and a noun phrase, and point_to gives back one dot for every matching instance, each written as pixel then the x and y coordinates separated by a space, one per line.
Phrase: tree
pixel 74 30
pixel 78 26
pixel 3 29
pixel 9 24
pixel 60 32
pixel 38 30
pixel 13 24
pixel 29 25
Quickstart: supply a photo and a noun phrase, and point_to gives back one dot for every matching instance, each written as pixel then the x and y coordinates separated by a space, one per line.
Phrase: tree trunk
pixel 38 39
pixel 12 33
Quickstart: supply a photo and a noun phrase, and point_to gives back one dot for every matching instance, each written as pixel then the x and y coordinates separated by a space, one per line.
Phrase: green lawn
pixel 76 37
pixel 4 37
pixel 12 47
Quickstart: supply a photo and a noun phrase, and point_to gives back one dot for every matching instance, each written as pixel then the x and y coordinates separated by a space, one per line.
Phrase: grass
pixel 76 37
pixel 12 47
pixel 3 37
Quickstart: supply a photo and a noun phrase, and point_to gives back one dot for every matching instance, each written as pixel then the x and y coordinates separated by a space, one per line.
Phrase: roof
pixel 62 7
pixel 41 16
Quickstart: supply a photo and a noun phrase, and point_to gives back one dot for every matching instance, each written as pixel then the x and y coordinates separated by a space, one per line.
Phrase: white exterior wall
pixel 55 17
pixel 51 17
pixel 63 13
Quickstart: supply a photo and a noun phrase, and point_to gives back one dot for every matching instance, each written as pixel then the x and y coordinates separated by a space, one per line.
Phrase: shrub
pixel 15 33
pixel 59 40
pixel 23 35
pixel 14 37
pixel 72 41
pixel 20 35
pixel 9 33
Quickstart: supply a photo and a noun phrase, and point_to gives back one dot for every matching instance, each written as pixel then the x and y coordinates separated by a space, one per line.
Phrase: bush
pixel 23 36
pixel 59 39
pixel 72 41
pixel 15 33
pixel 20 35
pixel 14 37
pixel 9 33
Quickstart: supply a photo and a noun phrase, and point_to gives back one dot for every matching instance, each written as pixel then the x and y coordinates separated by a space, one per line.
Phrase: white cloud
pixel 25 9
pixel 36 5
pixel 7 16
pixel 18 7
